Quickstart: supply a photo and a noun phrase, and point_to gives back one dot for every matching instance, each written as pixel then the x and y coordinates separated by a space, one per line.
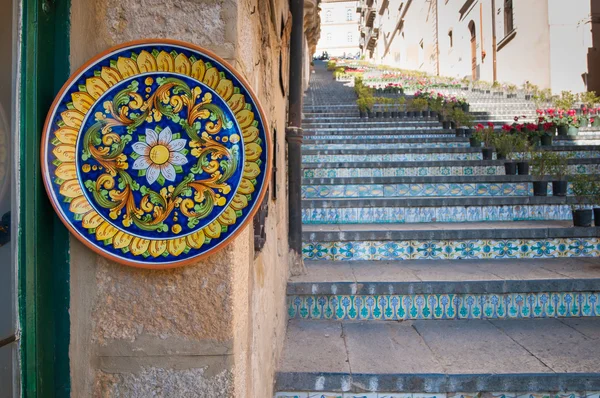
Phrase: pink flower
pixel 571 112
pixel 539 112
pixel 550 111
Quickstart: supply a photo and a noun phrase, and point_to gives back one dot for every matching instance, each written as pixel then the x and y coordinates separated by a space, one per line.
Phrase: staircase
pixel 430 272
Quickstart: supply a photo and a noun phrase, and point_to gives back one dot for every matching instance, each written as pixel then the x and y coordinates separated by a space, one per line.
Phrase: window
pixel 349 14
pixel 508 17
pixel 349 37
pixel 451 39
pixel 328 16
pixel 328 36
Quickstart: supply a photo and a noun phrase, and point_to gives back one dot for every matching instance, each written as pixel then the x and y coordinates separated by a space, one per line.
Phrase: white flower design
pixel 159 154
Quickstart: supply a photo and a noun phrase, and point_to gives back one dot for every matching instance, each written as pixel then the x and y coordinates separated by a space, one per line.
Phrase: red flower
pixel 531 127
pixel 548 126
pixel 479 127
pixel 507 128
pixel 540 112
pixel 592 120
pixel 571 112
pixel 519 127
pixel 516 118
pixel 550 111
pixel 490 125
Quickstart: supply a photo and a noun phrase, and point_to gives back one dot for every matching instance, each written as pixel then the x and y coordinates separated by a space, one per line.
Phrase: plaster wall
pixel 213 329
pixel 339 35
pixel 525 57
pixel 570 40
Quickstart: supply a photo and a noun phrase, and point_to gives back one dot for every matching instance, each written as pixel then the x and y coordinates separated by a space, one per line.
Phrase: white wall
pixel 339 35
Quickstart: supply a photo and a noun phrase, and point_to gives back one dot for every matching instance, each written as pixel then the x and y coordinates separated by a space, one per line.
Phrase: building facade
pixel 545 42
pixel 339 28
pixel 74 324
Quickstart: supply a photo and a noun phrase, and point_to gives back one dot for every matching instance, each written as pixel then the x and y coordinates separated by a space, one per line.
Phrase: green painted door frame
pixel 43 242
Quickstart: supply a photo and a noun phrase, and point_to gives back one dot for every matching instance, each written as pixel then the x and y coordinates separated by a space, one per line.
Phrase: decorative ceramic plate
pixel 155 153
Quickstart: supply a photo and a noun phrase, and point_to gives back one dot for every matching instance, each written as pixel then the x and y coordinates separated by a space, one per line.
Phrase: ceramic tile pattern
pixel 452 249
pixel 423 171
pixel 579 394
pixel 445 306
pixel 435 214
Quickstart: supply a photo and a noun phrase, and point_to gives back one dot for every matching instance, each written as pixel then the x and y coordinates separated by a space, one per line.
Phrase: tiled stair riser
pixel 417 190
pixel 452 249
pixel 417 171
pixel 420 157
pixel 389 146
pixel 394 307
pixel 458 214
pixel 315 394
pixel 378 137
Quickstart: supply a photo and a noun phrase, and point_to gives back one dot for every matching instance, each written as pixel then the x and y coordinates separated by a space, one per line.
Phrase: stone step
pixel 443 241
pixel 433 168
pixel 320 147
pixel 450 359
pixel 471 289
pixel 378 135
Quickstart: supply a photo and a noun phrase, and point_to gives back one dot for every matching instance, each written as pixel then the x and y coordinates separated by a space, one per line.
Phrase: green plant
pixel 589 99
pixel 506 144
pixel 420 104
pixel 331 65
pixel 511 88
pixel 484 134
pixel 400 103
pixel 362 104
pixel 584 189
pixel 565 101
pixel 539 163
pixel 558 165
pixel 460 118
pixel 541 97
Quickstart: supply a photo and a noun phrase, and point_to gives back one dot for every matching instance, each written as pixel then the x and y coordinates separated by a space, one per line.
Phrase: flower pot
pixel 474 142
pixel 584 121
pixel 433 114
pixel 409 114
pixel 465 107
pixel 363 114
pixel 582 218
pixel 540 188
pixel 440 117
pixel 487 153
pixel 460 132
pixel 500 156
pixel 468 132
pixel 452 125
pixel 546 140
pixel 378 114
pixel 425 113
pixel 523 168
pixel 597 216
pixel 371 115
pixel 393 114
pixel 596 121
pixel 386 114
pixel 562 130
pixel 446 125
pixel 401 114
pixel 510 168
pixel 559 188
pixel 573 131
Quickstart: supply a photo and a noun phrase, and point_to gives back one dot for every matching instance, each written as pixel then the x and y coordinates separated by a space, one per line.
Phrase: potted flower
pixel 558 166
pixel 387 107
pixel 484 135
pixel 546 137
pixel 436 102
pixel 532 133
pixel 379 112
pixel 539 169
pixel 573 123
pixel 370 100
pixel 463 104
pixel 583 190
pixel 596 200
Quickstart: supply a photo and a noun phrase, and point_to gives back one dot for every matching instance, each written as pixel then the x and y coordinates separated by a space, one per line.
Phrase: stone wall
pixel 213 329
